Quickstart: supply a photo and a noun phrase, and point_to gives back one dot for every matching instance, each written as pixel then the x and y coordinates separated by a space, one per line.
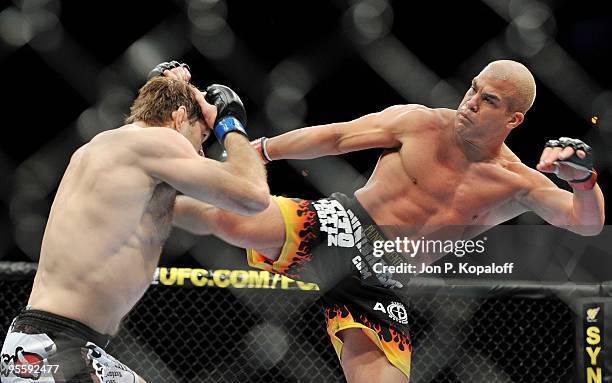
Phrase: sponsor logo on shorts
pixel 366 264
pixel 335 221
pixel 395 310
pixel 344 229
pixel 107 368
pixel 398 312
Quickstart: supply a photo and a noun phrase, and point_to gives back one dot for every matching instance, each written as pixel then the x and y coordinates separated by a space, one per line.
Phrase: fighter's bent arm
pixel 238 184
pixel 581 212
pixel 376 130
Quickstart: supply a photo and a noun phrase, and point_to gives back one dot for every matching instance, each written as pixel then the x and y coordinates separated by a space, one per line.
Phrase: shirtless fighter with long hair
pixel 110 218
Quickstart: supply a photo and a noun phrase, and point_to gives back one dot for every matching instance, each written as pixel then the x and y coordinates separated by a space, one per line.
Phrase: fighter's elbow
pixel 588 228
pixel 257 201
pixel 585 230
pixel 594 231
pixel 374 138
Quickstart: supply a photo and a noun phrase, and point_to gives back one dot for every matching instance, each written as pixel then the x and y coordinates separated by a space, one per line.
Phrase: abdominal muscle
pixel 97 288
pixel 101 246
pixel 396 200
pixel 399 216
pixel 412 199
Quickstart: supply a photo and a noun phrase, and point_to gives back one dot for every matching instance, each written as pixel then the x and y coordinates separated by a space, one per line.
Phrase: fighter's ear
pixel 515 119
pixel 178 117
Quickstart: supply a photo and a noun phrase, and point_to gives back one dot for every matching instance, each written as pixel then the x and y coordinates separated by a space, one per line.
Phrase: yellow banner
pixel 238 279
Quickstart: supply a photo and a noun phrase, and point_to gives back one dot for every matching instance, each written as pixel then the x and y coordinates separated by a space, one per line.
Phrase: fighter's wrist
pixel 264 149
pixel 227 125
pixel 586 183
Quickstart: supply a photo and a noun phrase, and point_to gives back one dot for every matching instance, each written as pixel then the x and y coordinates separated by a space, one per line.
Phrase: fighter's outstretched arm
pixel 238 184
pixel 194 216
pixel 582 211
pixel 376 130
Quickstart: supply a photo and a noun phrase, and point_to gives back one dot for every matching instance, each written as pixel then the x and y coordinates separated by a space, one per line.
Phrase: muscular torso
pixel 104 235
pixel 427 183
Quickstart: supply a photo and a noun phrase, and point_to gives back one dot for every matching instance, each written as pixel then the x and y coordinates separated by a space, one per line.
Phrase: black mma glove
pixel 161 67
pixel 231 116
pixel 585 164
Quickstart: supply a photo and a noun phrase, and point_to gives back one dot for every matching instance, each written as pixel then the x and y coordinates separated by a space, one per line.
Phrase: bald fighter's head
pixel 520 83
pixel 495 103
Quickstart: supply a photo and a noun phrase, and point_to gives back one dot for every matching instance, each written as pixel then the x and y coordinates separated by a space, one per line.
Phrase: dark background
pixel 71 69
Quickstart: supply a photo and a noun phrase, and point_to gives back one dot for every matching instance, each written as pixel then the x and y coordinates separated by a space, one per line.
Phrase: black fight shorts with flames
pixel 325 243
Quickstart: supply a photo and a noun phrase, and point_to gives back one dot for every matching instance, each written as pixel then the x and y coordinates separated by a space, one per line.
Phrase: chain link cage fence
pixel 238 333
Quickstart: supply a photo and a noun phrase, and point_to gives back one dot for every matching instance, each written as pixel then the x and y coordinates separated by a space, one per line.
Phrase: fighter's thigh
pixel 363 361
pixel 265 230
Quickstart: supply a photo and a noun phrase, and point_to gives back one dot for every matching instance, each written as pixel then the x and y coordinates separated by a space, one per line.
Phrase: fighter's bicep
pixel 195 176
pixel 162 152
pixel 377 130
pixel 364 137
pixel 152 144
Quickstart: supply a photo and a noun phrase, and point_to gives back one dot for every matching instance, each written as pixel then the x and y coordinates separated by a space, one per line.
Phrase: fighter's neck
pixel 479 149
pixel 140 124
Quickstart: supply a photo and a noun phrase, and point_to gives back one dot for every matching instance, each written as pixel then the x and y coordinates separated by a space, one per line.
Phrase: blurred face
pixel 196 133
pixel 484 108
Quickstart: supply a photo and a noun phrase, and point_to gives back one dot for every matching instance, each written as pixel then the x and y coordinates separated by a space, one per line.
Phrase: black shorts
pixel 44 347
pixel 328 242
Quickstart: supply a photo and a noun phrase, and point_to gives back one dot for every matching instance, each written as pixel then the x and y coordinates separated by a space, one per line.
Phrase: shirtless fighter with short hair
pixel 441 167
pixel 110 218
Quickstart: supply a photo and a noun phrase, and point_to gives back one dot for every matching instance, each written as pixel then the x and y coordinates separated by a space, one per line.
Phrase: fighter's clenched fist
pixel 571 160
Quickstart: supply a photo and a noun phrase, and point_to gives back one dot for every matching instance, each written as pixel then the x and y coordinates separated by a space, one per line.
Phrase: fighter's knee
pixel 362 360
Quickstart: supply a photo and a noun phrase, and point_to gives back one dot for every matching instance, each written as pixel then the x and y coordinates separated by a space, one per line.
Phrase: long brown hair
pixel 161 96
